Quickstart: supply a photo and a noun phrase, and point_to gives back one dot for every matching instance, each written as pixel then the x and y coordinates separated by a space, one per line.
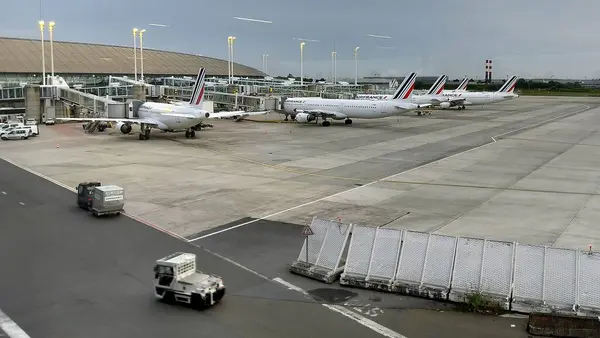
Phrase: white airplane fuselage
pixel 360 109
pixel 158 113
pixel 427 99
pixel 481 98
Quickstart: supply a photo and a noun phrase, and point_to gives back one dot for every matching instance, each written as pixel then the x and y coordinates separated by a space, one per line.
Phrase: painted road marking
pixel 10 327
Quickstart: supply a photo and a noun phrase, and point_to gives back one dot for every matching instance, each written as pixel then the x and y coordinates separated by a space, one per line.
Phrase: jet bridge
pixel 98 106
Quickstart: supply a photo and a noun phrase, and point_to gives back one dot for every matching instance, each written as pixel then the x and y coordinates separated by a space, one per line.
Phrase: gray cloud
pixel 535 38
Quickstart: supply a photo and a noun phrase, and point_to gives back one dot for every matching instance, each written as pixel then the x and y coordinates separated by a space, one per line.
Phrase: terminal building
pixel 91 64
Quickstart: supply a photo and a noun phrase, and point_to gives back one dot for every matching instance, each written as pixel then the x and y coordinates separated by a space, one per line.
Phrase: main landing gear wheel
pixel 326 123
pixel 348 121
pixel 190 134
pixel 145 134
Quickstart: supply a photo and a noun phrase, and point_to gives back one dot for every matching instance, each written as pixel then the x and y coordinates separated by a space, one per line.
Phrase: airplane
pixel 435 98
pixel 506 92
pixel 166 117
pixel 462 86
pixel 308 110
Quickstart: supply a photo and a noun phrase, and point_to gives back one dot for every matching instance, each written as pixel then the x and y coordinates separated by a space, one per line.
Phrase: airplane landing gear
pixel 190 134
pixel 326 123
pixel 145 132
pixel 461 107
pixel 348 121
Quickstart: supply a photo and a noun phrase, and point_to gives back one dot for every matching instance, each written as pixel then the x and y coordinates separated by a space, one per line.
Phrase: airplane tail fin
pixel 463 84
pixel 198 89
pixel 509 85
pixel 406 88
pixel 438 85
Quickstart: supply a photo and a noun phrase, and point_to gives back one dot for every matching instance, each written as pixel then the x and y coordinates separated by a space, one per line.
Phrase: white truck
pixel 177 280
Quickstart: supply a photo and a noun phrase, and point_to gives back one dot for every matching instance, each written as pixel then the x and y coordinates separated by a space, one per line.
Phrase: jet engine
pixel 445 104
pixel 125 128
pixel 304 117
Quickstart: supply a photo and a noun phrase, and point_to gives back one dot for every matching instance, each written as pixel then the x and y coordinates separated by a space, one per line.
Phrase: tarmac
pixel 68 274
pixel 524 170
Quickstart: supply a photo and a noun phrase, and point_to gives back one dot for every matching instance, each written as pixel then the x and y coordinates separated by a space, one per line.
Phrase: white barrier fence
pixel 325 251
pixel 520 277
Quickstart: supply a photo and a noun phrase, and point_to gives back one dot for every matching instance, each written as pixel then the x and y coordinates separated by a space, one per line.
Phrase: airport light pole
pixel 265 60
pixel 229 60
pixel 41 23
pixel 302 62
pixel 51 29
pixel 232 57
pixel 356 66
pixel 142 55
pixel 230 41
pixel 135 30
pixel 334 68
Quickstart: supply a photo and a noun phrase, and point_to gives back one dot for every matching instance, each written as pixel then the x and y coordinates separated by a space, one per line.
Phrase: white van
pixel 31 122
pixel 33 129
pixel 16 134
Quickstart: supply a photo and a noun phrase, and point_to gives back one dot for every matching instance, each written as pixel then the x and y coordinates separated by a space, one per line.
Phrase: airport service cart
pixel 101 199
pixel 176 280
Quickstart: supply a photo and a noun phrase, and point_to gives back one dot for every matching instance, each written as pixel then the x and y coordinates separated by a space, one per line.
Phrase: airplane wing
pixel 101 119
pixel 236 114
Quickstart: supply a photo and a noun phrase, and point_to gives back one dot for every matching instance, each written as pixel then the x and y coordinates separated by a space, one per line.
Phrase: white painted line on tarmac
pixel 382 330
pixel 40 175
pixel 10 327
pixel 290 285
pixel 382 179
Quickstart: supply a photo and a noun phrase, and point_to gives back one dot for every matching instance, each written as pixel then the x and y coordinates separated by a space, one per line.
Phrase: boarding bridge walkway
pixel 97 106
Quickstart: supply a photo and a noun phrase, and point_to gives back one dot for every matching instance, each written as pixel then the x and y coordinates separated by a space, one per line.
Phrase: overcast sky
pixel 530 38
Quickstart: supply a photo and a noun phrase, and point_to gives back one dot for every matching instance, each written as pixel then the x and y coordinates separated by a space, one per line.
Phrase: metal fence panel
pixel 589 281
pixel 529 273
pixel 468 264
pixel 440 258
pixel 497 268
pixel 359 253
pixel 333 245
pixel 315 241
pixel 561 277
pixel 412 257
pixel 385 253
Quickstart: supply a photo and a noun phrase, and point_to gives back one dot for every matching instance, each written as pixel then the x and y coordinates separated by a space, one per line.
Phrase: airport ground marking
pixel 10 327
pixel 364 321
pixel 14 331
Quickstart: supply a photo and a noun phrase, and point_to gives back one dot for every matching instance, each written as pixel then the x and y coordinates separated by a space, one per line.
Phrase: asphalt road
pixel 67 274
pixel 269 247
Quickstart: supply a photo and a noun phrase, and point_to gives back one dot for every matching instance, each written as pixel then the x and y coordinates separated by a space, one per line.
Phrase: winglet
pixel 198 91
pixel 463 84
pixel 438 85
pixel 406 87
pixel 509 85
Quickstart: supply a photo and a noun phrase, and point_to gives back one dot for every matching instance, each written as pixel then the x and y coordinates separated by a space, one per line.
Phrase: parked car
pixel 16 134
pixel 50 121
